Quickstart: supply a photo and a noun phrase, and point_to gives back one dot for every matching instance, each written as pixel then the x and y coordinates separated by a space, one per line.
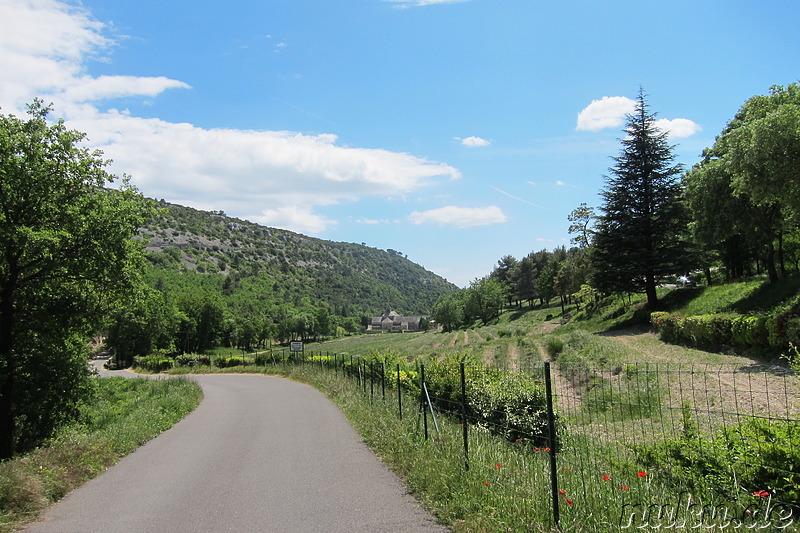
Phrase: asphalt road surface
pixel 260 453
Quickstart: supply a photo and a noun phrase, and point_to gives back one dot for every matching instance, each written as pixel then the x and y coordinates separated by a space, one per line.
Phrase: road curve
pixel 260 453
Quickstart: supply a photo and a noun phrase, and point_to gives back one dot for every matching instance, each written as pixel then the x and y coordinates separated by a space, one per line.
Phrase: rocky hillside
pixel 352 279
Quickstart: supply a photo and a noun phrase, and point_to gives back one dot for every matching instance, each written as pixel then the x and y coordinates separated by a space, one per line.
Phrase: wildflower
pixel 536 449
pixel 547 449
pixel 625 487
pixel 485 483
pixel 761 493
pixel 498 465
pixel 569 502
pixel 518 441
pixel 562 492
pixel 642 474
pixel 606 477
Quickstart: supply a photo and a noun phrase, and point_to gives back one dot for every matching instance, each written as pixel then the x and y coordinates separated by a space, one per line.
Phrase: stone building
pixel 392 321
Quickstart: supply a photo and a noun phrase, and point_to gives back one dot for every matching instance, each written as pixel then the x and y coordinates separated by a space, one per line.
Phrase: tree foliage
pixel 744 193
pixel 642 234
pixel 67 255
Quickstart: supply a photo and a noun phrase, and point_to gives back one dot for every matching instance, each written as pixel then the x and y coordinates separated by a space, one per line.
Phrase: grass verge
pixel 125 414
pixel 602 487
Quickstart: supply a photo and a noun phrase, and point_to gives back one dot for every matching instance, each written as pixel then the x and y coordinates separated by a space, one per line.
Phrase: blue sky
pixel 456 132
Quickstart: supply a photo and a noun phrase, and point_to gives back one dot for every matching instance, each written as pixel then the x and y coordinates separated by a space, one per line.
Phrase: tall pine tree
pixel 642 234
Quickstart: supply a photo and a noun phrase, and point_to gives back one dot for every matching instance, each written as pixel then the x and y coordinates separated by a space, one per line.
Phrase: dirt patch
pixel 547 327
pixel 720 388
pixel 453 339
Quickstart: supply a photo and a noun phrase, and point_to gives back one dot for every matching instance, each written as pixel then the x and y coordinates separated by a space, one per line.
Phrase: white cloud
pixel 474 142
pixel 44 48
pixel 608 112
pixel 460 217
pixel 294 218
pixel 375 222
pixel 88 89
pixel 678 127
pixel 240 170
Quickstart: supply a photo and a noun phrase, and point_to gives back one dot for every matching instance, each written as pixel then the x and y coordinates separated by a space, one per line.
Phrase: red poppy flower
pixel 761 493
pixel 606 477
pixel 547 449
pixel 569 502
pixel 536 449
pixel 641 474
pixel 518 441
pixel 624 487
pixel 498 465
pixel 562 492
pixel 485 483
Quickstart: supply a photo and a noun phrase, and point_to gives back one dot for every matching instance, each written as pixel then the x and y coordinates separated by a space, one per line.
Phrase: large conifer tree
pixel 642 234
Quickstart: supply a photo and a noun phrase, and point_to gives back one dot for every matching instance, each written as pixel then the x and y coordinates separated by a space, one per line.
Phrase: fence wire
pixel 665 445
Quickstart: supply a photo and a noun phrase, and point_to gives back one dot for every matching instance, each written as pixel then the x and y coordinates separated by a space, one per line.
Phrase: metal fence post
pixel 422 399
pixel 551 429
pixel 399 395
pixel 464 416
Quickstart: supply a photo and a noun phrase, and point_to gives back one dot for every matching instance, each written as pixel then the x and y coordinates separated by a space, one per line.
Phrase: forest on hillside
pixel 213 280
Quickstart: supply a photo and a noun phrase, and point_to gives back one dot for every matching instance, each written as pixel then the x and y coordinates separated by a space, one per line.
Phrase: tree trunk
pixel 770 260
pixel 8 383
pixel 650 290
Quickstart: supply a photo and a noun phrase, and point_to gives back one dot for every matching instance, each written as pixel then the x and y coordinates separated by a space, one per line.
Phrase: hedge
pixel 728 330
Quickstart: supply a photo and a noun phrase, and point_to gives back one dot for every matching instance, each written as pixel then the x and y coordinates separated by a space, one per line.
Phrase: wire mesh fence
pixel 633 446
pixel 654 445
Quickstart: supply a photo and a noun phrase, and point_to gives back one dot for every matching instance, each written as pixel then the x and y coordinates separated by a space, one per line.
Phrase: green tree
pixel 523 278
pixel 144 322
pixel 642 234
pixel 727 226
pixel 503 272
pixel 67 254
pixel 757 159
pixel 449 311
pixel 763 147
pixel 581 221
pixel 485 299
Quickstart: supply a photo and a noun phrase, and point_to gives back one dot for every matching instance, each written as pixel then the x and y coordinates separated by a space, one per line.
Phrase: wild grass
pixel 124 414
pixel 501 486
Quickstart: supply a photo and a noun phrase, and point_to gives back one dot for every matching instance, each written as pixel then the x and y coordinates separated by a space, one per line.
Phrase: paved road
pixel 260 453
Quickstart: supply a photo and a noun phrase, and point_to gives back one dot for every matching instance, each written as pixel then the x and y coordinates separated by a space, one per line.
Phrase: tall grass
pixel 507 487
pixel 125 413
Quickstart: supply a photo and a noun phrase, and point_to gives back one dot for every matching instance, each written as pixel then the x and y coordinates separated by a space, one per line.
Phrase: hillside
pixel 353 279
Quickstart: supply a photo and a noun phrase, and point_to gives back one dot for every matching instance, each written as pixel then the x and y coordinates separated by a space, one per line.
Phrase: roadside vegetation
pixel 121 415
pixel 506 487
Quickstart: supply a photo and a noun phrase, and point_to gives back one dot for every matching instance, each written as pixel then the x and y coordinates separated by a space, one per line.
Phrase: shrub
pixel 755 455
pixel 749 331
pixel 187 359
pixel 153 363
pixel 509 404
pixel 555 346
